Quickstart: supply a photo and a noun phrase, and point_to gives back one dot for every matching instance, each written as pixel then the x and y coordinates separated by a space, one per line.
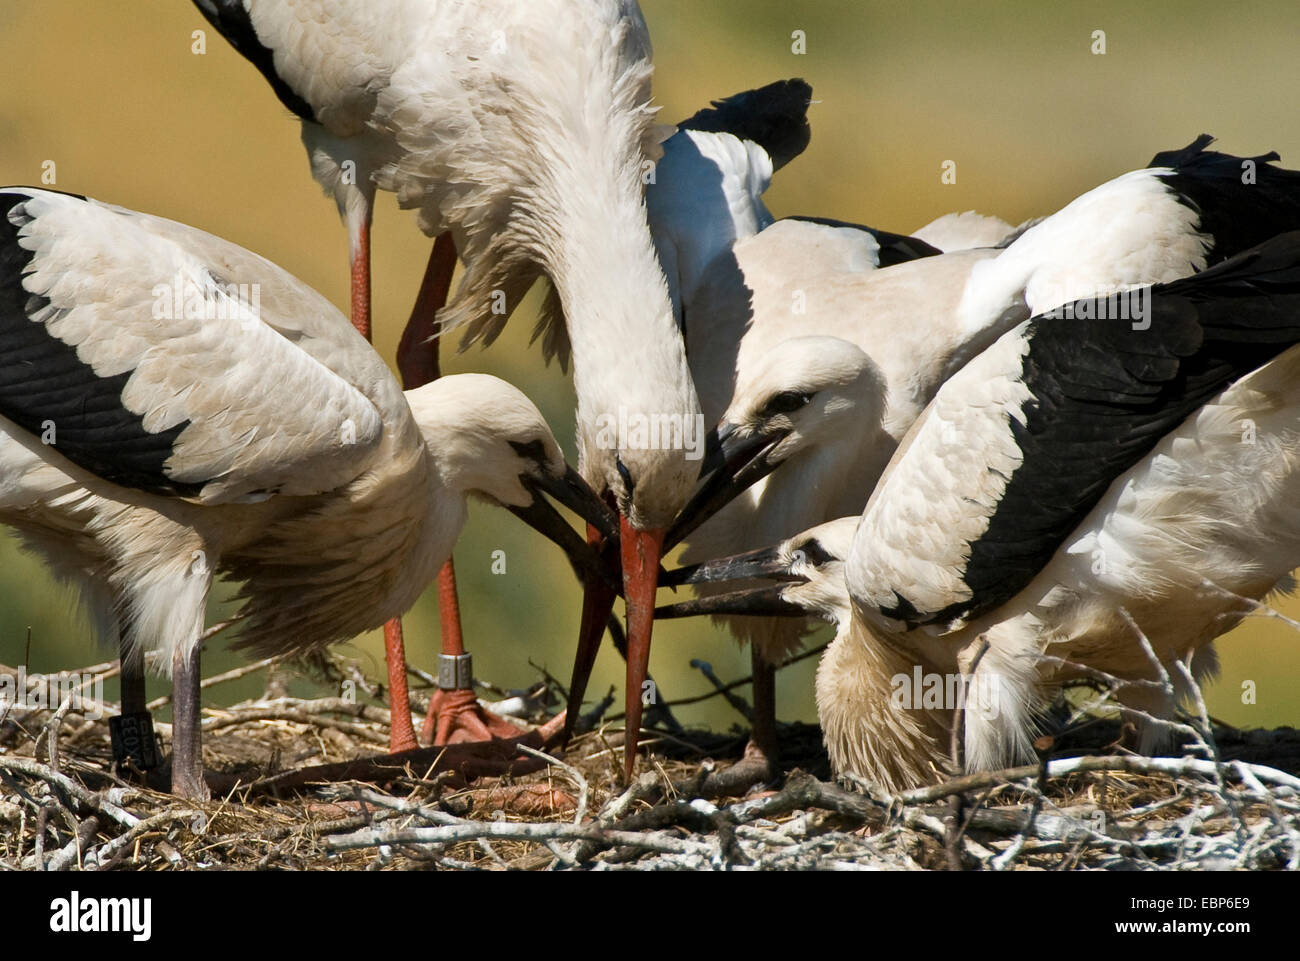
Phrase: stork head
pixel 642 442
pixel 801 576
pixel 804 393
pixel 808 393
pixel 488 440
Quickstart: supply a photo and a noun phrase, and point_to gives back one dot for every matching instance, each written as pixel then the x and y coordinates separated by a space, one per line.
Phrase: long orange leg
pixel 360 253
pixel 454 714
pixel 401 732
pixel 417 353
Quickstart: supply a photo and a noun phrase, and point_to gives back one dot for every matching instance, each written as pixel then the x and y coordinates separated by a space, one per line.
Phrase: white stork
pixel 1080 489
pixel 706 196
pixel 829 392
pixel 524 130
pixel 173 407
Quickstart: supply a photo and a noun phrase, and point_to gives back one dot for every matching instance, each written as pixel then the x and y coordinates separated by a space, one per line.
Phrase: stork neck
pixel 627 349
pixel 798 496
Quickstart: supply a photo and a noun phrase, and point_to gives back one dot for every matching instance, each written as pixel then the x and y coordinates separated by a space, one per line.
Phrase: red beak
pixel 641 550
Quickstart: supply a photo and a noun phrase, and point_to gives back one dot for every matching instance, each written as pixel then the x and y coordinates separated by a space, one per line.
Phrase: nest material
pixel 65 809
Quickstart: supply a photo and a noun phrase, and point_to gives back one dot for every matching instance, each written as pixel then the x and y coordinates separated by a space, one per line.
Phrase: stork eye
pixel 534 450
pixel 814 553
pixel 786 402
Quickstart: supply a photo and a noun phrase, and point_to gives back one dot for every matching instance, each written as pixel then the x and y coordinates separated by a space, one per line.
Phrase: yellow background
pixel 1010 92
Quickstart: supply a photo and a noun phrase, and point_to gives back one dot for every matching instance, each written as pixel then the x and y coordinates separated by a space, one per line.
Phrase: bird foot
pixel 458 718
pixel 191 785
pixel 754 768
pixel 184 781
pixel 497 755
pixel 481 757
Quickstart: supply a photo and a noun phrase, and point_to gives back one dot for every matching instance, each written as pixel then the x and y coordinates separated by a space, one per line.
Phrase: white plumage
pixel 712 197
pixel 832 359
pixel 823 361
pixel 965 231
pixel 145 450
pixel 524 129
pixel 1187 529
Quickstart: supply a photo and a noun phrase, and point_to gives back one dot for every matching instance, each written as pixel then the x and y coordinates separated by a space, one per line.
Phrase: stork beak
pixel 597 603
pixel 767 600
pixel 640 552
pixel 732 464
pixel 758 602
pixel 574 493
pixel 599 592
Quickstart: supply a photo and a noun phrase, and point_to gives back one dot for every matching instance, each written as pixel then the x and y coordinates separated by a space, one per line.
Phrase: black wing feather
pixel 43 383
pixel 231 20
pixel 1104 394
pixel 775 117
pixel 1238 213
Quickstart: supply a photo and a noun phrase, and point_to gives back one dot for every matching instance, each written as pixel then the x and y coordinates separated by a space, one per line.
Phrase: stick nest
pixel 63 808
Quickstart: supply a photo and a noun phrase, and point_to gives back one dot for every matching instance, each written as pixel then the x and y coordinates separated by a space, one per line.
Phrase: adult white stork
pixel 524 130
pixel 830 391
pixel 173 407
pixel 706 196
pixel 1081 489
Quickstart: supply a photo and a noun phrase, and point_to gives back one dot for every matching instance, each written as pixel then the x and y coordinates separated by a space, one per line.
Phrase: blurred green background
pixel 1011 92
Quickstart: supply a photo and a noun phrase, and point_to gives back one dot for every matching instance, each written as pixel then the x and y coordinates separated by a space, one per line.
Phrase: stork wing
pixel 708 186
pixel 965 231
pixel 232 20
pixel 1021 443
pixel 161 358
pixel 774 117
pixel 1239 201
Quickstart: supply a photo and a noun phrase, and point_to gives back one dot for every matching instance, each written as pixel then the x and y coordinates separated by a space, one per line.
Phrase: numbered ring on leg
pixel 133 740
pixel 455 672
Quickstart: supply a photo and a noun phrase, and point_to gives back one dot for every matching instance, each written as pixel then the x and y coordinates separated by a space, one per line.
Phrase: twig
pixel 574 774
pixel 723 689
pixel 108 854
pixel 1062 767
pixel 71 788
pixel 739 703
pixel 474 830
